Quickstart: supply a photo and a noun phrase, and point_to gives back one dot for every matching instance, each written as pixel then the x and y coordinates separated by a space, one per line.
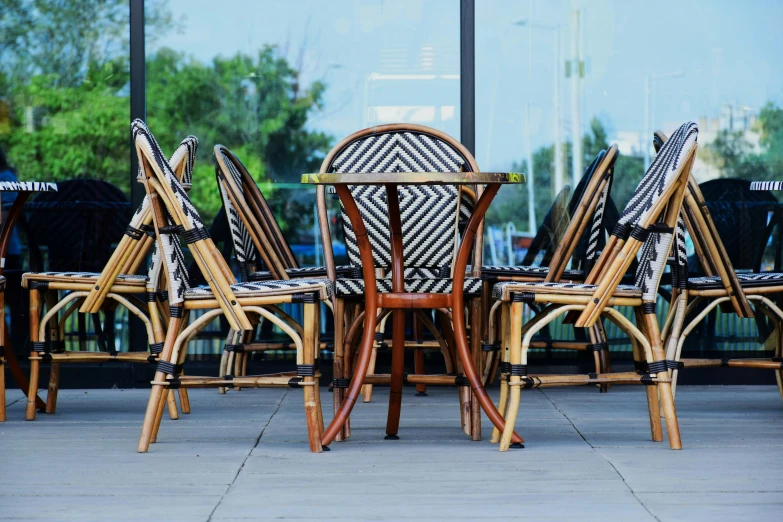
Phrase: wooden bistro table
pixel 398 300
pixel 24 190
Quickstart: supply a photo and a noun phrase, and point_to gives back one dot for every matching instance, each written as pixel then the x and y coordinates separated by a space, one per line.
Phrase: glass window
pixel 279 83
pixel 64 114
pixel 558 81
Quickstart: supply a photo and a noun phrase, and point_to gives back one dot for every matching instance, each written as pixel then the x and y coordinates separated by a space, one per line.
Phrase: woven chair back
pixel 430 214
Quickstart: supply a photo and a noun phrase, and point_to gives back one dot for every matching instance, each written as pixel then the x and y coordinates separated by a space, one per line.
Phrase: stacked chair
pixel 242 304
pixel 646 228
pixel 89 293
pixel 696 297
pixel 256 237
pixel 574 231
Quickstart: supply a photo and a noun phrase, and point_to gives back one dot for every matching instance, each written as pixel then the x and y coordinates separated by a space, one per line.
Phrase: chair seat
pixel 323 287
pixel 504 290
pixel 345 287
pixel 80 278
pixel 746 279
pixel 308 271
pixel 493 271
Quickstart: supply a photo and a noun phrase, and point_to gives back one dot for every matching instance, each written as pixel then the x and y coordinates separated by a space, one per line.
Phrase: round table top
pixel 413 178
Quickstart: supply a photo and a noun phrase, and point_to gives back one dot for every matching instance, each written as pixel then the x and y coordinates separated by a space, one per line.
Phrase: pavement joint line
pixel 242 466
pixel 554 405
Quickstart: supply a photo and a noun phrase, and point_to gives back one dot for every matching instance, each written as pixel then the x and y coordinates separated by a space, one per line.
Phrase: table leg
pixel 397 374
pixel 370 317
pixel 5 237
pixel 398 316
pixel 458 311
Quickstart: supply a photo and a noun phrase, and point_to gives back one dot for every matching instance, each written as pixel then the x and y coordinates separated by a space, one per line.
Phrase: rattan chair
pixel 431 219
pixel 645 228
pixel 90 292
pixel 721 286
pixel 575 234
pixel 256 236
pixel 242 304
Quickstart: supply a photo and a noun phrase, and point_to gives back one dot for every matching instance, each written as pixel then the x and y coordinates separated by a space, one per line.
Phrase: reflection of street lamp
pixel 559 174
pixel 649 94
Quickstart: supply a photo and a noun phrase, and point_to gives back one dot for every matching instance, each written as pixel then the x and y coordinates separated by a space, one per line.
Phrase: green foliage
pixel 511 203
pixel 736 157
pixel 65 111
pixel 252 105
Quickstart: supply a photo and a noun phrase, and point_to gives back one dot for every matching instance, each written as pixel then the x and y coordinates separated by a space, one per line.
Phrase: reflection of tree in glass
pixel 735 157
pixel 64 109
pixel 64 86
pixel 511 203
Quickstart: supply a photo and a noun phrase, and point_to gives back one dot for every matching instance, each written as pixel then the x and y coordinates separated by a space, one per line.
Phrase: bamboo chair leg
pixel 54 386
pixel 505 336
pixel 476 329
pixel 653 405
pixel 664 388
pixel 158 393
pixel 515 357
pixel 35 363
pixel 367 388
pixel 606 356
pixel 50 298
pixel 310 346
pixel 171 403
pixel 418 356
pixel 222 369
pixel 160 408
pixel 184 399
pixel 338 394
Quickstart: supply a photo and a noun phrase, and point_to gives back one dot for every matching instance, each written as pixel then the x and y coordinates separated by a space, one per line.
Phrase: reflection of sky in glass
pixel 399 60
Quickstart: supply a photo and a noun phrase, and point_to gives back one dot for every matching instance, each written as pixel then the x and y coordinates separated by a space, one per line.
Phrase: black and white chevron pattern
pixel 766 185
pixel 654 253
pixel 491 271
pixel 170 243
pixel 27 186
pixel 659 174
pixel 746 279
pixel 2 288
pixel 308 271
pixel 244 249
pixel 345 287
pixel 185 152
pixel 597 224
pixel 428 213
pixel 505 289
pixel 323 287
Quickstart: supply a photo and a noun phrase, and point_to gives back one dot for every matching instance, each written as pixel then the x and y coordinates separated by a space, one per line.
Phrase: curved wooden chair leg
pixel 311 344
pixel 505 339
pixel 516 356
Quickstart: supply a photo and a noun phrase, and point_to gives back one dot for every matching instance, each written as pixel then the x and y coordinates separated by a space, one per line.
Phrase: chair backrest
pixel 586 229
pixel 135 244
pixel 254 229
pixel 430 214
pixel 713 256
pixel 646 225
pixel 78 224
pixel 175 216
